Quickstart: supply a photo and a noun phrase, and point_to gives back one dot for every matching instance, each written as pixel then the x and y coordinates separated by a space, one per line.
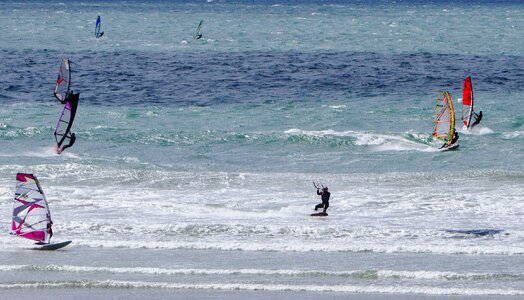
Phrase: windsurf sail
pixel 198 33
pixel 65 122
pixel 444 119
pixel 31 216
pixel 63 83
pixel 98 24
pixel 467 102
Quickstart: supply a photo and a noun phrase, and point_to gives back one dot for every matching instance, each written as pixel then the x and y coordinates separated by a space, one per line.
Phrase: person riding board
pixel 72 140
pixel 454 139
pixel 325 198
pixel 478 117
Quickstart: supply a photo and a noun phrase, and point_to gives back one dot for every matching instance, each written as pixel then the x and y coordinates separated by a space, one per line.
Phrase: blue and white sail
pixel 98 26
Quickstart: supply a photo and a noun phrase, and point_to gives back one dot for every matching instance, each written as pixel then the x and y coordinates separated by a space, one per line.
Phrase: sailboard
pixel 63 83
pixel 198 33
pixel 98 24
pixel 31 216
pixel 63 132
pixel 320 214
pixel 467 102
pixel 444 120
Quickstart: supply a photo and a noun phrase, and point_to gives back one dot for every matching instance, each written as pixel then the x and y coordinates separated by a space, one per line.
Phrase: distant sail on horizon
pixel 98 26
pixel 31 216
pixel 198 33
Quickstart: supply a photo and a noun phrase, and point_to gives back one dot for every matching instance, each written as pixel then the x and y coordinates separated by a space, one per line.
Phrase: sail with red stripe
pixel 31 216
pixel 467 102
pixel 444 119
pixel 63 82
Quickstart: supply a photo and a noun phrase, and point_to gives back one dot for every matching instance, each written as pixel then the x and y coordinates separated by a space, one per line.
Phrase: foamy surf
pixel 422 290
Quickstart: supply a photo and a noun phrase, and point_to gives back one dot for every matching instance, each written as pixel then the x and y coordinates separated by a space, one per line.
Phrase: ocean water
pixel 193 167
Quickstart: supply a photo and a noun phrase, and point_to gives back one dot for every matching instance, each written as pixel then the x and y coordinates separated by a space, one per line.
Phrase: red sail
pixel 467 95
pixel 467 102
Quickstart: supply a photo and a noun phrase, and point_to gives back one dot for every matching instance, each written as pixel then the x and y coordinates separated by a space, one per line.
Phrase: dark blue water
pixel 209 78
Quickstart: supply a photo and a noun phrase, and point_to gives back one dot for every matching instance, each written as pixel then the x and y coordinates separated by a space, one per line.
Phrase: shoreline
pixel 147 293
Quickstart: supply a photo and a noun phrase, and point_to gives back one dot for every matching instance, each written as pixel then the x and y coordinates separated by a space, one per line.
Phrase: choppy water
pixel 204 151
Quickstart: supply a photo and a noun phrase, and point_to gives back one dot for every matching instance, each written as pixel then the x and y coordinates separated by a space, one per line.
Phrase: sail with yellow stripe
pixel 444 119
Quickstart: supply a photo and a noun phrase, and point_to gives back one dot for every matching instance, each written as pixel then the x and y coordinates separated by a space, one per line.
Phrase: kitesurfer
pixel 72 140
pixel 478 117
pixel 325 198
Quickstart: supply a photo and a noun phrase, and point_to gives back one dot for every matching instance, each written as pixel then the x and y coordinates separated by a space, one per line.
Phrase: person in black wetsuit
pixel 478 117
pixel 325 198
pixel 49 230
pixel 454 139
pixel 71 142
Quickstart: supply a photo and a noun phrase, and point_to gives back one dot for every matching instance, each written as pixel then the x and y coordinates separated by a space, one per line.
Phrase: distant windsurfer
pixel 478 117
pixel 198 34
pixel 325 198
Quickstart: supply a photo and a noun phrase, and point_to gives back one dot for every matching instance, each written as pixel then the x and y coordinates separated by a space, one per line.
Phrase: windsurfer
pixel 454 139
pixel 49 230
pixel 199 36
pixel 325 198
pixel 72 140
pixel 478 117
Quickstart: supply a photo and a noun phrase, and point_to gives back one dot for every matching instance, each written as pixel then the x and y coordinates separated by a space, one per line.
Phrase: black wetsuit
pixel 478 117
pixel 71 142
pixel 454 139
pixel 325 200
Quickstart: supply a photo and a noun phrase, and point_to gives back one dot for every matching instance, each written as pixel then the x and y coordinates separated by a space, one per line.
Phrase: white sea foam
pixel 374 274
pixel 380 142
pixel 423 290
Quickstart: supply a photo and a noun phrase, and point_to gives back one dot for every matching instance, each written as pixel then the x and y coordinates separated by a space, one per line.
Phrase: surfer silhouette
pixel 49 230
pixel 72 140
pixel 198 36
pixel 325 198
pixel 478 117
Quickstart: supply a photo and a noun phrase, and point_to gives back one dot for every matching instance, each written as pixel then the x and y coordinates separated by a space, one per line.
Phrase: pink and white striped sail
pixel 31 216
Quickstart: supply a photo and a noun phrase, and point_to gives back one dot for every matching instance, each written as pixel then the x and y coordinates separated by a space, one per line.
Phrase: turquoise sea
pixel 193 167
